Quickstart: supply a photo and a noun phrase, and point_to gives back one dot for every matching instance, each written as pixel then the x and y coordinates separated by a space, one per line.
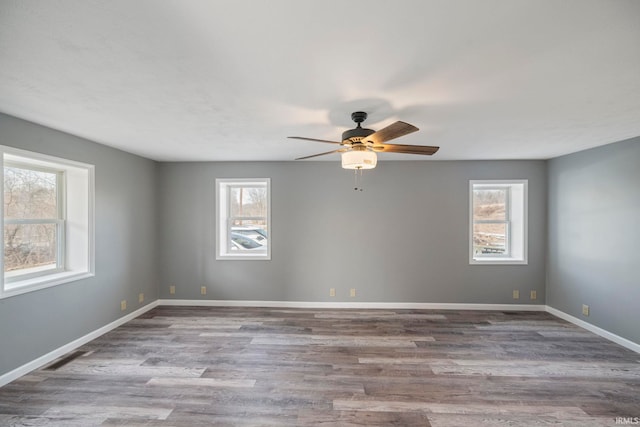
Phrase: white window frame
pixel 75 239
pixel 223 219
pixel 516 220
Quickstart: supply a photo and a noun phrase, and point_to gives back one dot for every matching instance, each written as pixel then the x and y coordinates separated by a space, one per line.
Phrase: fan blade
pixel 392 131
pixel 313 139
pixel 407 149
pixel 322 154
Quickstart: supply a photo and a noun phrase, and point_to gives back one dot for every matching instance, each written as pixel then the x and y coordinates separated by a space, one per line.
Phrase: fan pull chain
pixel 357 172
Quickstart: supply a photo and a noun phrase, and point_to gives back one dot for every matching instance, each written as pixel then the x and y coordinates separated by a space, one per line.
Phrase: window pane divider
pixel 247 218
pixel 491 221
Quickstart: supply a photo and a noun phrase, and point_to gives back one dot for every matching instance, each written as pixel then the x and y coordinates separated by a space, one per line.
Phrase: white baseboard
pixel 60 351
pixel 353 305
pixel 596 330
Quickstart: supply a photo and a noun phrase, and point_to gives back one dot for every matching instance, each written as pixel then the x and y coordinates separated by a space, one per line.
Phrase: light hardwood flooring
pixel 202 366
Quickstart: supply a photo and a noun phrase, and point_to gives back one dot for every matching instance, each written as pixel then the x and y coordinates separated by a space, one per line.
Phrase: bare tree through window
pixel 490 220
pixel 31 215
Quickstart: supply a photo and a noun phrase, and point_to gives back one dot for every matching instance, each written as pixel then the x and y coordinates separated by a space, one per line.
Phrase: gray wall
pixel 594 236
pixel 38 322
pixel 404 239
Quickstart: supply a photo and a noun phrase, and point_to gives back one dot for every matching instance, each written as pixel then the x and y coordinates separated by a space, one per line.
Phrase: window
pixel 33 221
pixel 47 219
pixel 243 219
pixel 498 222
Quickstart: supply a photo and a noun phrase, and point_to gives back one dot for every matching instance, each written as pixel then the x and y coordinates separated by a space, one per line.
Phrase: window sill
pixel 42 282
pixel 498 261
pixel 248 257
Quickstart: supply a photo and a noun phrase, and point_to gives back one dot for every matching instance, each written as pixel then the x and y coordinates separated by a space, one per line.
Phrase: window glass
pixel 32 221
pixel 490 238
pixel 490 221
pixel 30 247
pixel 490 204
pixel 30 193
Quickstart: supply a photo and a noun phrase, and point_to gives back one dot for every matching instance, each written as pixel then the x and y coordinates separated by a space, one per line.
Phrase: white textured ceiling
pixel 229 80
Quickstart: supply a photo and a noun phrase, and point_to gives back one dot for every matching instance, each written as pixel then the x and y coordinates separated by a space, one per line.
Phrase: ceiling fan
pixel 359 145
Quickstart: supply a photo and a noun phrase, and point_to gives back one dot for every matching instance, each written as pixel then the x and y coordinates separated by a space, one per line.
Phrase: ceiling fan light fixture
pixel 359 159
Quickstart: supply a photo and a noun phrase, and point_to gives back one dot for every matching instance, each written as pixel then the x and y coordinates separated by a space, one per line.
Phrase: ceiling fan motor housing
pixel 358 133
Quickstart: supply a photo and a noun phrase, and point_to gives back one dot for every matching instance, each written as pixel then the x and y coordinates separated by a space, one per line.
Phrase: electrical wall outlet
pixel 123 305
pixel 332 292
pixel 516 294
pixel 585 310
pixel 203 290
pixel 172 289
pixel 140 297
pixel 533 295
pixel 352 292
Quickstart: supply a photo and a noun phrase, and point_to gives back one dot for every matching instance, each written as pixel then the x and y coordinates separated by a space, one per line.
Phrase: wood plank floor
pixel 202 366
